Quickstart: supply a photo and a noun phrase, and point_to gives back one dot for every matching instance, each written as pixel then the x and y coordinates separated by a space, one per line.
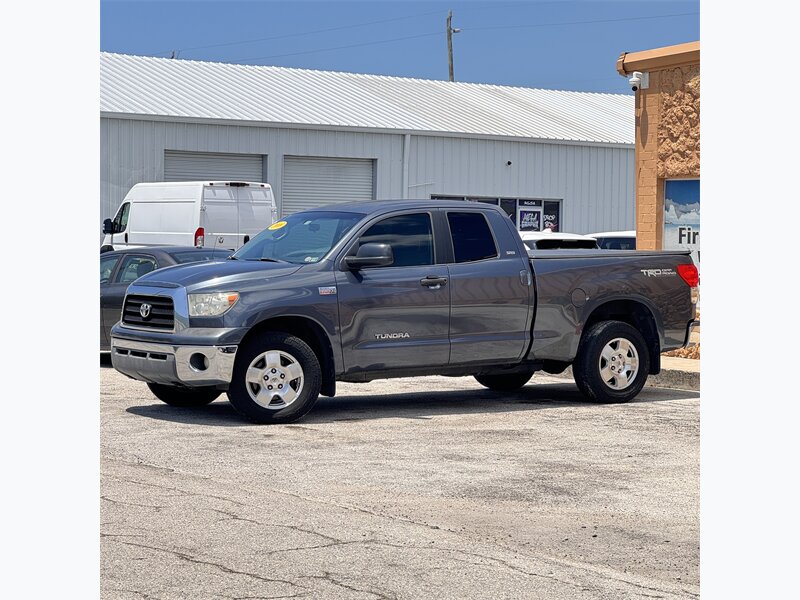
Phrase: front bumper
pixel 168 364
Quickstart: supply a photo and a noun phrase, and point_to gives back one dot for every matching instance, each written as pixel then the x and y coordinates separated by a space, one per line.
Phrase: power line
pixel 578 22
pixel 299 34
pixel 422 35
pixel 388 41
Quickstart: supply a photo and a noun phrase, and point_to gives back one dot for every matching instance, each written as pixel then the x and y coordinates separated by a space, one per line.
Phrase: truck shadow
pixel 412 405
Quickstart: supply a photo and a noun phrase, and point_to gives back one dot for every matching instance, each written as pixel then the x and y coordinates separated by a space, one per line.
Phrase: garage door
pixel 203 166
pixel 312 182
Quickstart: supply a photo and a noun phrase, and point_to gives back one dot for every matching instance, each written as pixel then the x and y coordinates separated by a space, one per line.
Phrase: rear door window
pixel 133 267
pixel 472 237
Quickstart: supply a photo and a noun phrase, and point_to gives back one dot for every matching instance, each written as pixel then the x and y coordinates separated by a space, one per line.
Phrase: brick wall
pixel 667 144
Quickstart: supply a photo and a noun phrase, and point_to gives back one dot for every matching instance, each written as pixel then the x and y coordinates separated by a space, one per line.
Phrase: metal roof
pixel 174 88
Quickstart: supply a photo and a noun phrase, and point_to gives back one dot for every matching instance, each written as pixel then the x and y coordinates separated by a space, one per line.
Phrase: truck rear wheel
pixel 612 362
pixel 504 383
pixel 183 397
pixel 276 379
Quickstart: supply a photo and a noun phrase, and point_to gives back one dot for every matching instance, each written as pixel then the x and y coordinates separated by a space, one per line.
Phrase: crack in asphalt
pixel 137 592
pixel 232 516
pixel 600 571
pixel 327 576
pixel 493 559
pixel 559 562
pixel 266 597
pixel 107 499
pixel 168 487
pixel 222 568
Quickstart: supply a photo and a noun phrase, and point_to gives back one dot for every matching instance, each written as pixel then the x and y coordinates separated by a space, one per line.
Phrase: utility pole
pixel 450 32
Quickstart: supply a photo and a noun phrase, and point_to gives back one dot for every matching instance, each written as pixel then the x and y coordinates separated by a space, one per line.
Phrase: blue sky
pixel 560 44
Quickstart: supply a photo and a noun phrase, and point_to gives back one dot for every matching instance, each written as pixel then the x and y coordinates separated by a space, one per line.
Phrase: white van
pixel 214 214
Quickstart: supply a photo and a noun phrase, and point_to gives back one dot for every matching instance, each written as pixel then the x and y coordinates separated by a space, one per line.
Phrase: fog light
pixel 198 361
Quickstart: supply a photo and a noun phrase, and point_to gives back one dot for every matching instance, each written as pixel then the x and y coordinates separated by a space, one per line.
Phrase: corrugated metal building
pixel 548 157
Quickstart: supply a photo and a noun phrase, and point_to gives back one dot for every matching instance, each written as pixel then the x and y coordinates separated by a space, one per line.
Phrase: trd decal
pixel 659 272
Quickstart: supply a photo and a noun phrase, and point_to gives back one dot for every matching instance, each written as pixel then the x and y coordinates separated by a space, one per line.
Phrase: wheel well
pixel 637 315
pixel 313 335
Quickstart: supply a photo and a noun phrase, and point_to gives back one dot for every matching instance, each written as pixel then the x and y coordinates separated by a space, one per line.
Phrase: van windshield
pixel 304 237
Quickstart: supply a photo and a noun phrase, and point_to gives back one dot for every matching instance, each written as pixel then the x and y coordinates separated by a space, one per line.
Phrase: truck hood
pixel 216 275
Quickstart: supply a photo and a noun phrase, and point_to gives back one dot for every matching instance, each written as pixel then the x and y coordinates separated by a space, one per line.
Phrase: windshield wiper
pixel 271 260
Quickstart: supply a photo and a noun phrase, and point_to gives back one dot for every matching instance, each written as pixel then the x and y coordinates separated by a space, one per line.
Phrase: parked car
pixel 121 267
pixel 616 240
pixel 556 240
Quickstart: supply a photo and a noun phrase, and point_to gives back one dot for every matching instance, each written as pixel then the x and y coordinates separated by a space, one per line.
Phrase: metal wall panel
pixel 206 166
pixel 132 151
pixel 596 184
pixel 309 182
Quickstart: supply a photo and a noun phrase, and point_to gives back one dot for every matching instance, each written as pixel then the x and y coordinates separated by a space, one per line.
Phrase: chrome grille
pixel 161 315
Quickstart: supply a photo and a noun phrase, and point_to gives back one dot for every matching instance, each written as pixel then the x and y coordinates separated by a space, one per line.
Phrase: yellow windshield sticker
pixel 277 225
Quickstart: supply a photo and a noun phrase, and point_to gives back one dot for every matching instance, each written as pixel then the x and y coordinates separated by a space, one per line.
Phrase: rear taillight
pixel 689 274
pixel 692 278
pixel 200 237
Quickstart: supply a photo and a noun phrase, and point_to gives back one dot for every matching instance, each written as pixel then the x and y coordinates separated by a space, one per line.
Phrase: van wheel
pixel 276 379
pixel 612 362
pixel 183 397
pixel 504 383
pixel 106 248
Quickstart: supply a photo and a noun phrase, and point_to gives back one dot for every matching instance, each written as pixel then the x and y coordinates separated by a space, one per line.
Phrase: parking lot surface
pixel 431 487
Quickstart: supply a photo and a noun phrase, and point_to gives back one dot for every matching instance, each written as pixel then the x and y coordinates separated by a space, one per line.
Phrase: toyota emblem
pixel 144 310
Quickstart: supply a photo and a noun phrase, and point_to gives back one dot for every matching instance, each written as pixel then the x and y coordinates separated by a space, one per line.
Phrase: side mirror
pixel 370 255
pixel 108 226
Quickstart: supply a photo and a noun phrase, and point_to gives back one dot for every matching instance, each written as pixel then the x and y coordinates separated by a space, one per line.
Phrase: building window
pixel 528 214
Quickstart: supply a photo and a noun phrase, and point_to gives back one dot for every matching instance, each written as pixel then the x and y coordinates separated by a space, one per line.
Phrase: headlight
pixel 211 305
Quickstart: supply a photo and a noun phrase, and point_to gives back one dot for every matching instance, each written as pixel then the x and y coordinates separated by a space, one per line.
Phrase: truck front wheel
pixel 276 379
pixel 182 397
pixel 612 362
pixel 504 383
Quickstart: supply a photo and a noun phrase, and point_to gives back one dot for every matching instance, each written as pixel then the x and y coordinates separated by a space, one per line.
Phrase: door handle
pixel 433 282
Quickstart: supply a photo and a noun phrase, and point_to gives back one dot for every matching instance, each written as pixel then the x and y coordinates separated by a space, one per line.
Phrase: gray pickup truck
pixel 363 291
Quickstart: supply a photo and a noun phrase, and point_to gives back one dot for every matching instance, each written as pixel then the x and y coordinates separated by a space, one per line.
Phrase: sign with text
pixel 682 216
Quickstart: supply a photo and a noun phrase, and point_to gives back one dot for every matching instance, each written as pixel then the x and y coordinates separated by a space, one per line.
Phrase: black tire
pixel 504 383
pixel 183 397
pixel 296 396
pixel 593 372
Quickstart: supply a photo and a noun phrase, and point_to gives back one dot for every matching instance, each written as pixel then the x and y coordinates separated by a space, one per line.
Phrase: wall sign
pixel 682 216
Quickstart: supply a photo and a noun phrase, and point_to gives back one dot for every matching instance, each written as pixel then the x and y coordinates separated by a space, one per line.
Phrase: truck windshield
pixel 304 237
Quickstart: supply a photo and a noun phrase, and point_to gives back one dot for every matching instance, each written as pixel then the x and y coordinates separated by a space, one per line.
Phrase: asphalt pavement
pixel 430 487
